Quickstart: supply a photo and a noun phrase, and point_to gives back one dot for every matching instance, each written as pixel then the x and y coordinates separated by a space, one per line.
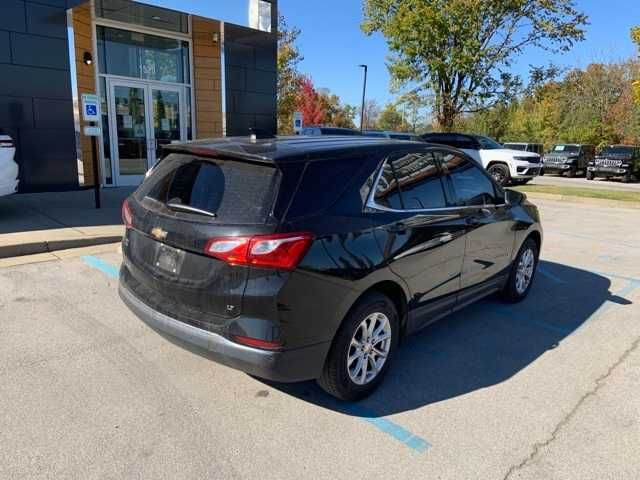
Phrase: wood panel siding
pixel 207 80
pixel 85 77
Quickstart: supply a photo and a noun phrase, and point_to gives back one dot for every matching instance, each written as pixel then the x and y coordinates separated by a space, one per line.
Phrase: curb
pixel 602 202
pixel 32 248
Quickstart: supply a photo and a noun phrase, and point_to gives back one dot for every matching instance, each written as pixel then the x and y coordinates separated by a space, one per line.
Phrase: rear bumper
pixel 281 366
pixel 8 188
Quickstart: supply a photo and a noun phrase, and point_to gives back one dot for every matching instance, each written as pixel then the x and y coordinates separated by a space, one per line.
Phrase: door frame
pixel 147 88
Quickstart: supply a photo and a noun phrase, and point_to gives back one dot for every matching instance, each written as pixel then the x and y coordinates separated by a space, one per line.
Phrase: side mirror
pixel 513 197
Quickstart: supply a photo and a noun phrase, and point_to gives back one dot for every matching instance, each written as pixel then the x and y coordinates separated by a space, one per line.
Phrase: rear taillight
pixel 282 251
pixel 127 216
pixel 258 343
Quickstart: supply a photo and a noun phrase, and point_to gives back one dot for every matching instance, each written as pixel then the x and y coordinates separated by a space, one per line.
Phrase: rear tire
pixel 356 346
pixel 522 272
pixel 500 173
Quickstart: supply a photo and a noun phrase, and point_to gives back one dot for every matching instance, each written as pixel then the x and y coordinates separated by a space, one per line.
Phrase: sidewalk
pixel 44 222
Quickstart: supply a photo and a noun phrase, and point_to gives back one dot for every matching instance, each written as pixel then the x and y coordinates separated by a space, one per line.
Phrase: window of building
pixel 139 55
pixel 144 15
pixel 260 15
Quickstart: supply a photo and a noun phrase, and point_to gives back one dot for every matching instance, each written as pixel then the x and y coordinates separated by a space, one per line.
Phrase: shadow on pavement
pixel 31 212
pixel 480 346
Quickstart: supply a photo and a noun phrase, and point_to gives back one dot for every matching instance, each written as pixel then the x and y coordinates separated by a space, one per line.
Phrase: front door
pixel 420 234
pixel 144 117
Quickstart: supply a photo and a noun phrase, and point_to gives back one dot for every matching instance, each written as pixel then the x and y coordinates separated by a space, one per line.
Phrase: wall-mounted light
pixel 216 37
pixel 87 58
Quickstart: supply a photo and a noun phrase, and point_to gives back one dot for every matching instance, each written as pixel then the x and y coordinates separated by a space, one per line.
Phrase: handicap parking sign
pixel 90 107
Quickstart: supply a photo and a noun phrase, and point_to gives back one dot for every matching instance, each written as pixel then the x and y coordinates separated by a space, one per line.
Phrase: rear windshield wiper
pixel 186 208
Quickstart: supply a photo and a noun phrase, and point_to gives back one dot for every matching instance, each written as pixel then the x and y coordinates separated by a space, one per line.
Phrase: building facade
pixel 162 76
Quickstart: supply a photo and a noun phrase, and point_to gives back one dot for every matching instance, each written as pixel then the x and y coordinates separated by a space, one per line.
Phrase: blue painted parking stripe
pixel 101 265
pixel 399 433
pixel 404 436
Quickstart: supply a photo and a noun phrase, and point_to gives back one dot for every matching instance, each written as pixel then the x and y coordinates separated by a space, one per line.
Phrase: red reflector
pixel 257 343
pixel 283 251
pixel 127 216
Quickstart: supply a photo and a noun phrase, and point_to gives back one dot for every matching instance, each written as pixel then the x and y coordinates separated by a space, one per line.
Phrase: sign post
pixel 297 122
pixel 91 114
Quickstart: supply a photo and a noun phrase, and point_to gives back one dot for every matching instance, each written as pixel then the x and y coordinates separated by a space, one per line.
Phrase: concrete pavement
pixel 546 389
pixel 44 222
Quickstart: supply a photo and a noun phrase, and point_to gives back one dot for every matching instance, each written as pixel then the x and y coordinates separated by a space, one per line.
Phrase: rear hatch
pixel 186 202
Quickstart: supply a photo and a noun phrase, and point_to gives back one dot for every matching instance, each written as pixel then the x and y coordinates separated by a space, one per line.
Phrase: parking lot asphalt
pixel 543 389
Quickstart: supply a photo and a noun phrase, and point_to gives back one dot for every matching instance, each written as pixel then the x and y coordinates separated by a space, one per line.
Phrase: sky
pixel 333 45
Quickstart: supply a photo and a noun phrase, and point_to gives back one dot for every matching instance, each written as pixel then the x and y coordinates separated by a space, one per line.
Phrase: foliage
pixel 289 79
pixel 310 103
pixel 594 105
pixel 392 119
pixel 461 50
pixel 371 114
pixel 337 114
pixel 635 37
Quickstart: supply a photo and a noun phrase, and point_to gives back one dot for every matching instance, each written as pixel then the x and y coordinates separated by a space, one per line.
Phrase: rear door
pixel 184 203
pixel 490 232
pixel 420 236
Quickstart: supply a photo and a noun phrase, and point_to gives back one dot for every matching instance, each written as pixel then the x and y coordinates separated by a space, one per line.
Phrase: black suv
pixel 309 258
pixel 570 159
pixel 616 161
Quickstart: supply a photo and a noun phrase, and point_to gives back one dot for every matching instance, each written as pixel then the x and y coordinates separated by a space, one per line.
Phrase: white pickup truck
pixel 8 168
pixel 506 166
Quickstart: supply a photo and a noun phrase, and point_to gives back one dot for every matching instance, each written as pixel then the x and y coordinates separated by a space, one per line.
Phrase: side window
pixel 323 183
pixel 387 193
pixel 472 186
pixel 411 182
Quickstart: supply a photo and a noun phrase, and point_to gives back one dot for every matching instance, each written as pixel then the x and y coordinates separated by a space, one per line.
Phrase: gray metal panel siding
pixel 250 80
pixel 36 108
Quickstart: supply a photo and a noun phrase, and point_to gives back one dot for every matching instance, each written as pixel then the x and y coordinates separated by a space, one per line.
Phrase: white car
pixel 8 168
pixel 505 165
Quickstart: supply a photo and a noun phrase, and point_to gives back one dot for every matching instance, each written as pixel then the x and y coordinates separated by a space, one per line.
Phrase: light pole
pixel 364 92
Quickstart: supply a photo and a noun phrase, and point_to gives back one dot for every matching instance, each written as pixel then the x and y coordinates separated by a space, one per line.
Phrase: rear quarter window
pixel 236 192
pixel 322 184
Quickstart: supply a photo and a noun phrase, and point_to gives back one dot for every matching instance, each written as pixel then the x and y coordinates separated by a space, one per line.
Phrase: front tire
pixel 590 176
pixel 573 171
pixel 500 173
pixel 362 349
pixel 522 272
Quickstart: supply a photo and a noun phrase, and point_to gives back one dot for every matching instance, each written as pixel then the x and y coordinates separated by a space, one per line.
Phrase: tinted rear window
pixel 236 192
pixel 322 185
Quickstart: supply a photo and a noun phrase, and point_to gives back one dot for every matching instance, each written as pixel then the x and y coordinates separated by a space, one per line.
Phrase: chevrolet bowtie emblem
pixel 159 233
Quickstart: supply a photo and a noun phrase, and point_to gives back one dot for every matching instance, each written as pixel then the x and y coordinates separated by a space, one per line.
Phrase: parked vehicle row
pixel 507 166
pixel 569 159
pixel 301 258
pixel 621 161
pixel 8 167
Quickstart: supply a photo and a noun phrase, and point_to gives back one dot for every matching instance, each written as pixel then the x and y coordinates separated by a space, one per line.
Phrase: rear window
pixel 233 191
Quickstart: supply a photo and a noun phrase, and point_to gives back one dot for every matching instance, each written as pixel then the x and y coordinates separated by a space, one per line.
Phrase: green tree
pixel 635 37
pixel 336 113
pixel 391 119
pixel 461 50
pixel 289 79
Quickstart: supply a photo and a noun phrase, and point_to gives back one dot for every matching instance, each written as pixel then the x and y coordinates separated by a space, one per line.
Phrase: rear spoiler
pixel 236 154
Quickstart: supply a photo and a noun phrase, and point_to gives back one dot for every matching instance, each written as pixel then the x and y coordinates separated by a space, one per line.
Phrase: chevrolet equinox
pixel 311 257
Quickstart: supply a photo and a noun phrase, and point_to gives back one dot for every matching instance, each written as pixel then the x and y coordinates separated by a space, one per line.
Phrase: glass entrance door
pixel 166 124
pixel 144 117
